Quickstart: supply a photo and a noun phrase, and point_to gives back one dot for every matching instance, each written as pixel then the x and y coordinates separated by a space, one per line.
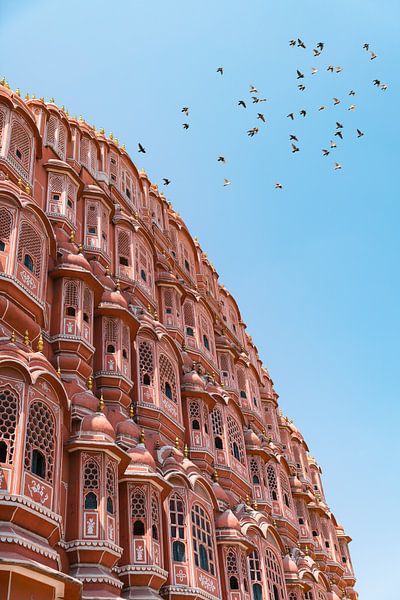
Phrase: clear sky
pixel 314 266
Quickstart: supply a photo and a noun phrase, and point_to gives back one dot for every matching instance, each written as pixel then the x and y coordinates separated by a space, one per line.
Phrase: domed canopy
pixel 129 428
pixel 97 423
pixel 227 520
pixel 114 298
pixel 141 456
pixel 193 379
pixel 290 566
pixel 75 261
pixel 251 438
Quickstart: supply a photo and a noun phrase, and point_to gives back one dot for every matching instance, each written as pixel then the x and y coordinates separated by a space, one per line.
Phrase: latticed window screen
pixel 188 314
pixel 91 475
pixel 125 341
pixel 293 596
pixel 9 408
pixel 321 595
pixel 231 562
pixel 217 422
pixel 30 243
pixel 194 410
pixel 235 439
pixel 71 294
pixel 124 248
pixel 88 154
pixel 56 136
pixel 202 539
pixel 169 300
pixel 308 595
pixel 20 147
pixel 241 379
pixel 87 304
pixel 3 119
pixel 111 330
pixel 274 574
pixel 255 471
pixel 168 377
pixel 155 517
pixel 285 486
pixel 113 168
pixel 110 487
pixel 146 362
pixel 138 504
pixel 272 482
pixel 40 432
pixel 177 517
pixel 254 566
pixel 6 223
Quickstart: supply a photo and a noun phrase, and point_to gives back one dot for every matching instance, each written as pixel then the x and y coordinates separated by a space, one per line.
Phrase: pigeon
pixel 185 110
pixel 352 93
pixel 220 70
pixel 300 75
pixel 185 125
pixel 316 52
pixel 336 101
pixel 314 71
pixel 373 55
pixel 226 182
pixel 338 69
pixel 330 68
pixel 366 47
pixel 376 82
pixel 253 90
pixel 166 181
pixel 295 148
pixel 384 87
pixel 262 100
pixel 339 125
pixel 359 133
pixel 261 117
pixel 293 137
pixel 255 99
pixel 301 87
pixel 303 113
pixel 320 45
pixel 292 43
pixel 352 107
pixel 291 116
pixel 300 43
pixel 338 166
pixel 141 149
pixel 333 144
pixel 242 103
pixel 322 108
pixel 252 132
pixel 325 152
pixel 339 134
pixel 221 159
pixel 278 186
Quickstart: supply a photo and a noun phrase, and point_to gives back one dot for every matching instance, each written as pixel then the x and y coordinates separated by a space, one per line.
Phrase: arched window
pixel 232 569
pixel 91 484
pixel 203 547
pixel 285 487
pixel 9 408
pixel 218 429
pixel 138 511
pixel 177 527
pixel 138 527
pixel 56 136
pixel 272 482
pixel 218 443
pixel 168 378
pixel 30 248
pixel 71 298
pixel 189 318
pixel 154 517
pixel 110 487
pixel 124 252
pixel 190 331
pixel 274 576
pixel 40 440
pixel 233 583
pixel 195 424
pixel 257 591
pixel 90 501
pixel 206 342
pixel 168 390
pixel 146 362
pixel 241 379
pixel 6 223
pixel 20 148
pixel 235 439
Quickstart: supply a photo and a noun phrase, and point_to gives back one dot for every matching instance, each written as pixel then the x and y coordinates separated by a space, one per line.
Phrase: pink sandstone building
pixel 142 450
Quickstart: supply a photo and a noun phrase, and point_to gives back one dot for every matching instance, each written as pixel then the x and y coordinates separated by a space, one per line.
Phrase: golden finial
pixel 7 85
pixel 123 147
pixel 40 344
pixel 2 82
pixel 255 505
pixel 52 100
pixel 33 97
pixel 215 476
pixel 72 236
pixel 101 404
pixel 108 271
pixel 177 444
pixel 20 183
pixel 18 92
pixel 116 141
pixel 274 523
pixel 117 286
pixel 41 98
pixel 26 96
pixel 26 338
pixel 141 438
pixel 63 108
pixel 307 550
pixel 248 503
pixel 186 451
pixel 67 113
pixel 28 188
pixel 80 248
pixel 101 130
pixel 111 135
pixel 155 315
pixel 13 337
pixel 131 411
pixel 281 412
pixel 81 119
pixel 89 383
pixel 59 373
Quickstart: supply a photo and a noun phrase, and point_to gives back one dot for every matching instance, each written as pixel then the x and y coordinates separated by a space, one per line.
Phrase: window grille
pixel 255 471
pixel 285 486
pixel 9 408
pixel 111 330
pixel 202 539
pixel 254 566
pixel 87 305
pixel 194 410
pixel 241 379
pixel 146 363
pixel 188 314
pixel 110 487
pixel 88 154
pixel 177 517
pixel 168 377
pixel 56 136
pixel 124 251
pixel 274 576
pixel 20 147
pixel 91 475
pixel 217 422
pixel 235 439
pixel 272 482
pixel 6 224
pixel 39 436
pixel 30 243
pixel 138 504
pixel 71 295
pixel 3 119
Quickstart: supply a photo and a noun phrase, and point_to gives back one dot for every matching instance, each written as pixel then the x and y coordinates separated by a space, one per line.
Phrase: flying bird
pixel 352 93
pixel 253 90
pixel 316 52
pixel 373 55
pixel 141 149
pixel 338 166
pixel 262 100
pixel 293 137
pixel 339 134
pixel 336 101
pixel 242 103
pixel 303 113
pixel 295 148
pixel 291 116
pixel 330 68
pixel 300 43
pixel 301 87
pixel 255 99
pixel 314 71
pixel 166 181
pixel 220 70
pixel 359 133
pixel 339 125
pixel 221 159
pixel 292 43
pixel 300 75
pixel 185 125
pixel 376 82
pixel 366 47
pixel 278 186
pixel 226 182
pixel 320 45
pixel 322 108
pixel 261 117
pixel 185 110
pixel 333 144
pixel 325 152
pixel 338 69
pixel 252 132
pixel 352 107
pixel 384 87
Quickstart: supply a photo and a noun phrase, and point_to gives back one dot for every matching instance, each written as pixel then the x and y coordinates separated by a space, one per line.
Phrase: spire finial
pixel 18 92
pixel 177 443
pixel 72 236
pixel 101 404
pixel 215 476
pixel 40 344
pixel 89 383
pixel 131 411
pixel 186 451
pixel 141 438
pixel 26 338
pixel 59 372
pixel 13 337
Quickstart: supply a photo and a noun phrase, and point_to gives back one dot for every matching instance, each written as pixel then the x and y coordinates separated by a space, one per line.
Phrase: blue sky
pixel 314 267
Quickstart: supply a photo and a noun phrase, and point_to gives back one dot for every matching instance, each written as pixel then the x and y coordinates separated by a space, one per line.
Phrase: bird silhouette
pixel 252 132
pixel 338 69
pixel 226 182
pixel 314 71
pixel 185 125
pixel 185 110
pixel 141 149
pixel 352 107
pixel 220 70
pixel 242 103
pixel 300 43
pixel 339 134
pixel 278 186
pixel 322 108
pixel 301 87
pixel 384 87
pixel 320 45
pixel 352 93
pixel 295 148
pixel 221 159
pixel 325 152
pixel 336 101
pixel 291 116
pixel 292 43
pixel 316 52
pixel 330 68
pixel 373 55
pixel 333 144
pixel 261 117
pixel 166 181
pixel 253 90
pixel 366 47
pixel 339 125
pixel 293 137
pixel 359 133
pixel 338 166
pixel 303 113
pixel 300 75
pixel 376 82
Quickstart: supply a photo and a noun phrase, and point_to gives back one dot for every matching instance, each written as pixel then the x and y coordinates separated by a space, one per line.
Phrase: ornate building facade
pixel 142 450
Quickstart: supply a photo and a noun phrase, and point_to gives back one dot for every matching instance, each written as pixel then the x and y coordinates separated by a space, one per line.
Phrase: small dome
pixel 193 379
pixel 97 423
pixel 141 456
pixel 76 261
pixel 251 438
pixel 296 483
pixel 220 493
pixel 129 428
pixel 85 399
pixel 289 565
pixel 227 520
pixel 114 298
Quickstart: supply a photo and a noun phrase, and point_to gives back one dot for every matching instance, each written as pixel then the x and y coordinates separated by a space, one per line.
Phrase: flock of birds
pixel 256 99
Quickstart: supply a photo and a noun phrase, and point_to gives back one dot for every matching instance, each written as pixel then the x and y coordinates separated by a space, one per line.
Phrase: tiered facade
pixel 142 451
